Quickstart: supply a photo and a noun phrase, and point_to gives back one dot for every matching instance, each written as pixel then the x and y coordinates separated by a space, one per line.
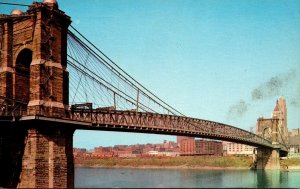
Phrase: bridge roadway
pixel 144 122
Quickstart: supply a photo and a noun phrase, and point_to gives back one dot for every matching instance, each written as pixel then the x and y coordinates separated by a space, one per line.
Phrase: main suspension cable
pixel 15 4
pixel 164 104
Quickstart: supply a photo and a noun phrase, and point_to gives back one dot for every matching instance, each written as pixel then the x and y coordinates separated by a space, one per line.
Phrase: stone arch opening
pixel 267 133
pixel 22 78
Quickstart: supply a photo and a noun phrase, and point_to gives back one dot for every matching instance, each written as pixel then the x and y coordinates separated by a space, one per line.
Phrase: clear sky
pixel 226 61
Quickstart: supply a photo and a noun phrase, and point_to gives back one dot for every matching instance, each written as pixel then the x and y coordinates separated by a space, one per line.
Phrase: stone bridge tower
pixel 35 153
pixel 275 130
pixel 34 58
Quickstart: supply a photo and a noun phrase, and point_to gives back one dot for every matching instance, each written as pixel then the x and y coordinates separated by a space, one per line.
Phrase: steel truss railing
pixel 107 118
pixel 166 124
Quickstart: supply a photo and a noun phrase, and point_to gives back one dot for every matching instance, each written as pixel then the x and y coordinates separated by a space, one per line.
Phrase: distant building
pixel 167 148
pixel 181 138
pixel 208 147
pixel 294 144
pixel 152 153
pixel 123 154
pixel 162 154
pixel 190 146
pixel 103 152
pixel 232 148
pixel 187 146
pixel 79 152
pixel 294 132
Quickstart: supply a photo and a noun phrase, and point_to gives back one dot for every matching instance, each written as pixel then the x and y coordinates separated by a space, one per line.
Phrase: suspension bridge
pixel 54 81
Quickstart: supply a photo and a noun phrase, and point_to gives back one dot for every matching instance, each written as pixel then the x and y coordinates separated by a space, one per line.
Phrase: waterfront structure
pixel 181 138
pixel 187 146
pixel 167 148
pixel 102 152
pixel 208 147
pixel 37 119
pixel 294 142
pixel 190 146
pixel 161 154
pixel 232 148
pixel 79 152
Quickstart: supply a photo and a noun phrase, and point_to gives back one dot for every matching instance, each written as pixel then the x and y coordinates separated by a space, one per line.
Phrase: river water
pixel 183 178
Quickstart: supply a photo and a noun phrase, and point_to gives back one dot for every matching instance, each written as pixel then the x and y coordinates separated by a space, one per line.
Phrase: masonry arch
pixel 267 133
pixel 22 77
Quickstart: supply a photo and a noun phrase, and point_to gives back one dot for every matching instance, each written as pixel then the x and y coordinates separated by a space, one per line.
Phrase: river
pixel 183 178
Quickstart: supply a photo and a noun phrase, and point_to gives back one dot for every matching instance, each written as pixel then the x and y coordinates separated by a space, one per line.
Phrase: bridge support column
pixel 48 158
pixel 11 153
pixel 267 158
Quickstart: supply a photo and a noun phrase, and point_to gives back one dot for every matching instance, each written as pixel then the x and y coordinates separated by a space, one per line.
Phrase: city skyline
pixel 223 61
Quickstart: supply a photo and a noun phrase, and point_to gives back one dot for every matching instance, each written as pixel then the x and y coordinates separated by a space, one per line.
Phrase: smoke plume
pixel 273 87
pixel 295 100
pixel 237 110
pixel 281 84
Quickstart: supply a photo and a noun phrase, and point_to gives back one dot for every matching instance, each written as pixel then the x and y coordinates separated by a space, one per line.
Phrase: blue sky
pixel 203 57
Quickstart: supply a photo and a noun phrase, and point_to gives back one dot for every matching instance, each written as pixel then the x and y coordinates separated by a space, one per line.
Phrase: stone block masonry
pixel 36 155
pixel 12 146
pixel 33 70
pixel 48 158
pixel 268 159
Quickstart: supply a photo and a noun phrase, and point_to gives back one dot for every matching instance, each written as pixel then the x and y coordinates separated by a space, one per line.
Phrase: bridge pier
pixel 11 153
pixel 33 72
pixel 48 158
pixel 36 157
pixel 267 158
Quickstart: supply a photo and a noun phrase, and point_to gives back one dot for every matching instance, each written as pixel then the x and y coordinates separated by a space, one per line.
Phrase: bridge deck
pixel 143 122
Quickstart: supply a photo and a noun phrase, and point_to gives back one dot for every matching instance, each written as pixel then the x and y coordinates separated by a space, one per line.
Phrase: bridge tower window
pixel 22 78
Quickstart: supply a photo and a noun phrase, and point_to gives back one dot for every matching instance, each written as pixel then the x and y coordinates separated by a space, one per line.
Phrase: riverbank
pixel 168 167
pixel 181 162
pixel 291 164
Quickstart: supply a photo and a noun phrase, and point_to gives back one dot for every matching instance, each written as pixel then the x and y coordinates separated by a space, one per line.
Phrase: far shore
pixel 177 167
pixel 181 162
pixel 165 167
